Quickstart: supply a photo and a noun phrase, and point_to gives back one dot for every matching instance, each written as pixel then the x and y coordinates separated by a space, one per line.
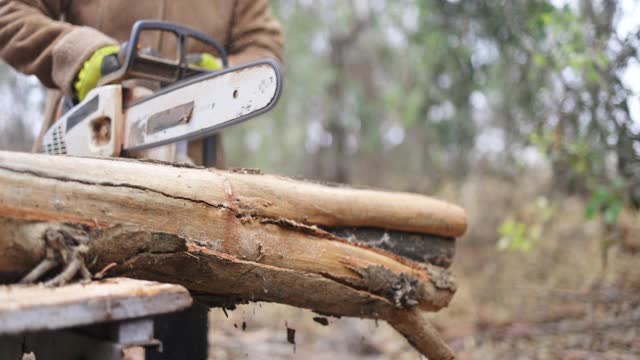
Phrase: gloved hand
pixel 93 68
pixel 91 71
pixel 205 61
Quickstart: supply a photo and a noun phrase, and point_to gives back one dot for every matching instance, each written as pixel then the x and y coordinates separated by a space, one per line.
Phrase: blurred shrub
pixel 521 234
pixel 607 202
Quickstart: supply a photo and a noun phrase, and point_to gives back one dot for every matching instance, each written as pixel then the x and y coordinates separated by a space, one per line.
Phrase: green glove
pixel 205 61
pixel 91 71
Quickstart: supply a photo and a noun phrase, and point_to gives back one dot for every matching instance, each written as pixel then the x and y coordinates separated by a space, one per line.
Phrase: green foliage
pixel 541 20
pixel 521 234
pixel 607 199
pixel 607 202
pixel 516 235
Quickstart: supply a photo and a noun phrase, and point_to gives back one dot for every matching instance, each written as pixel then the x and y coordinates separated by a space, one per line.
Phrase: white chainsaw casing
pixel 92 128
pixel 114 120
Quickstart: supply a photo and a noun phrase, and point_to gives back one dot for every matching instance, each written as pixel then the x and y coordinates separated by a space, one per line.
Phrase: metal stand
pixel 113 319
pixel 176 336
pixel 183 335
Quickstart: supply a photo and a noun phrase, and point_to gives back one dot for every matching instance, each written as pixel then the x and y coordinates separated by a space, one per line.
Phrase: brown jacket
pixel 52 38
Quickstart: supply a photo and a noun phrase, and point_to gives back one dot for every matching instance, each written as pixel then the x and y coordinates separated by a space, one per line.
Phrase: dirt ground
pixel 556 300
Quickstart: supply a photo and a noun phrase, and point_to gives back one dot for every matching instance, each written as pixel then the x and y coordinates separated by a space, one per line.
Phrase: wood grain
pixel 267 196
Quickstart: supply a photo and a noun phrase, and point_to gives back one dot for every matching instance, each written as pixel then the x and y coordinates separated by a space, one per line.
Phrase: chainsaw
pixel 188 102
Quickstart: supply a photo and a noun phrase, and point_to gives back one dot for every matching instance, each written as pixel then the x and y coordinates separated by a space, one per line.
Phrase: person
pixel 62 42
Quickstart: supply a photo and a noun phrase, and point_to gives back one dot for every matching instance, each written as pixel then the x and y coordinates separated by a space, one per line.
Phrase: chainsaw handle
pixel 136 65
pixel 182 32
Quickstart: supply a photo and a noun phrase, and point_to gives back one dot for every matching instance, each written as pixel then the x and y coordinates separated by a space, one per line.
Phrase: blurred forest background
pixel 525 112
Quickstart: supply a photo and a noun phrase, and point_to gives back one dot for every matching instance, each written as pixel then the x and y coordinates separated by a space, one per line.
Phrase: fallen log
pixel 231 238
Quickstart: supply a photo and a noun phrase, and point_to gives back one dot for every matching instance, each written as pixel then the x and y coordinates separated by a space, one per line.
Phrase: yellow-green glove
pixel 91 71
pixel 205 61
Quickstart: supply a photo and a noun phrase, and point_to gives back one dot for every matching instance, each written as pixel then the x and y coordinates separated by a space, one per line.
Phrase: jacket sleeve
pixel 34 41
pixel 255 33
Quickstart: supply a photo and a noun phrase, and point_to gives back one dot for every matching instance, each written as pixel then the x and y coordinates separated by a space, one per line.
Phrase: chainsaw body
pixel 92 128
pixel 187 102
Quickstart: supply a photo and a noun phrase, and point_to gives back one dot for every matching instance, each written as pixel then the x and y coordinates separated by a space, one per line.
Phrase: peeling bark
pixel 424 248
pixel 354 290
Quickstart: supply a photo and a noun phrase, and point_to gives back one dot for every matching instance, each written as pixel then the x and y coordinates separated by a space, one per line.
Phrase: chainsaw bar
pixel 202 105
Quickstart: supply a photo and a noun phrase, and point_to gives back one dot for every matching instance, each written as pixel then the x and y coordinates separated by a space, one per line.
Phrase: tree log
pixel 227 237
pixel 264 196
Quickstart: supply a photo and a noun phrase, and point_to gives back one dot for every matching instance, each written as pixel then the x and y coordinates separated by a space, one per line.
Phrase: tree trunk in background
pixel 333 162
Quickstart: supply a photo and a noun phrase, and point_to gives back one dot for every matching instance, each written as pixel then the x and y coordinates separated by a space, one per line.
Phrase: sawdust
pixel 400 289
pixel 442 278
